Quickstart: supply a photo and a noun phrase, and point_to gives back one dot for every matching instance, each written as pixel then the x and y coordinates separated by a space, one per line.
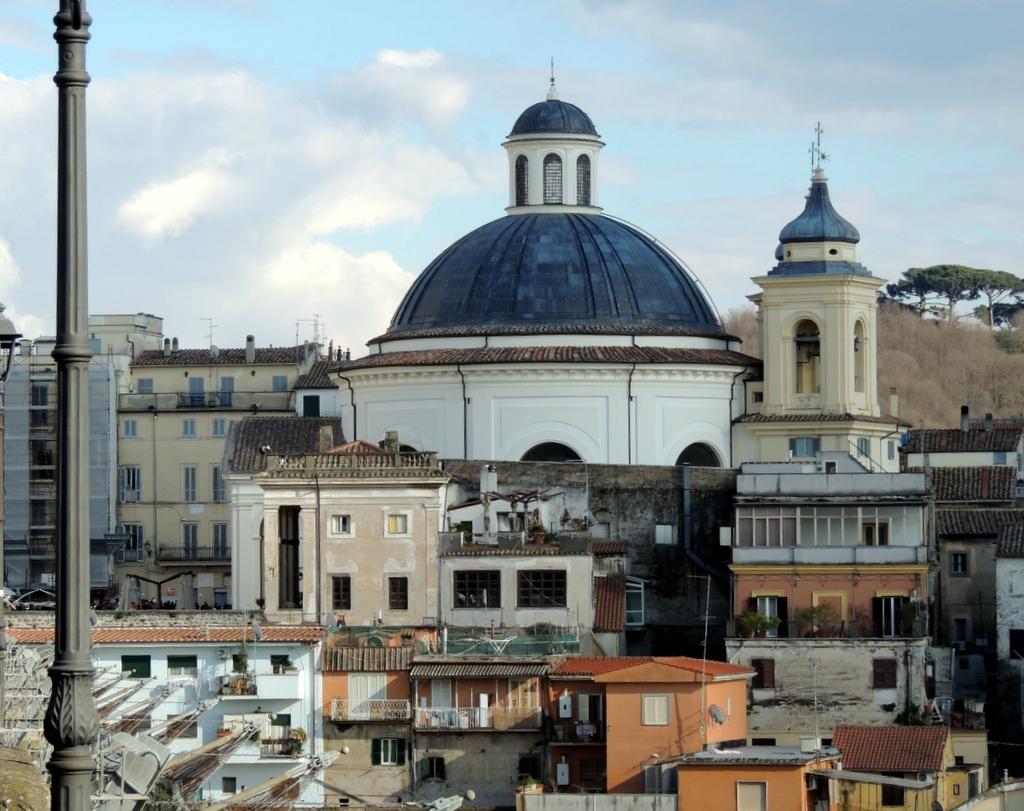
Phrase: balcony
pixel 280 685
pixel 829 555
pixel 129 556
pixel 374 709
pixel 573 732
pixel 193 554
pixel 273 748
pixel 499 719
pixel 206 401
pixel 238 685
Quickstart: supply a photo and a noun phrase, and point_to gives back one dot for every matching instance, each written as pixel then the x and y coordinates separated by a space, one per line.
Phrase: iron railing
pixel 373 709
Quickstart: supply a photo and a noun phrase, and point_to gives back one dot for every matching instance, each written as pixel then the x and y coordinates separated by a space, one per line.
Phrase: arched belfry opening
pixel 808 356
pixel 699 455
pixel 860 351
pixel 552 180
pixel 583 180
pixel 551 452
pixel 522 181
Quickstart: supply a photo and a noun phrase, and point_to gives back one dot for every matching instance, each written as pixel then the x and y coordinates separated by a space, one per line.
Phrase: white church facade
pixel 560 333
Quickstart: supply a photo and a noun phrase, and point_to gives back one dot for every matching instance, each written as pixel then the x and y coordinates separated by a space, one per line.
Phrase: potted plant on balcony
pixel 530 785
pixel 293 743
pixel 816 620
pixel 754 623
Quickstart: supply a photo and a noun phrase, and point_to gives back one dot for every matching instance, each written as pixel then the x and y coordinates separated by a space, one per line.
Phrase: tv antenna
pixel 209 329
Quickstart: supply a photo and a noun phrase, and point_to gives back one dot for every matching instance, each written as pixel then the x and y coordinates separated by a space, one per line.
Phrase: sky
pixel 265 163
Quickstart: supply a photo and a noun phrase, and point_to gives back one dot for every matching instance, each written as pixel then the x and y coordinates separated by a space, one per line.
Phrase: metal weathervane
pixel 814 150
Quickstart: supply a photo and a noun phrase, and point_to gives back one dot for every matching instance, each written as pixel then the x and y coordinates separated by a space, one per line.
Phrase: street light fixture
pixel 8 340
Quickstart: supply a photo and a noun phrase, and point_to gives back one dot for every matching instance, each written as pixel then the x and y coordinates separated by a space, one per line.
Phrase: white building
pixel 1010 621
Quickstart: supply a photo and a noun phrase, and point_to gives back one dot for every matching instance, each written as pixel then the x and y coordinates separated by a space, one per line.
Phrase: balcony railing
pixel 280 748
pixel 374 709
pixel 354 465
pixel 129 556
pixel 578 732
pixel 461 718
pixel 210 400
pixel 238 684
pixel 41 548
pixel 193 554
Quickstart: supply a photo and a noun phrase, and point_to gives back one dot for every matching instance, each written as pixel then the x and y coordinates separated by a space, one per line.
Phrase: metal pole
pixel 71 724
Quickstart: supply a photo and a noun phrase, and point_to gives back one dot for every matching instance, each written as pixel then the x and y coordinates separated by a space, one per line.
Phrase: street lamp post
pixel 71 724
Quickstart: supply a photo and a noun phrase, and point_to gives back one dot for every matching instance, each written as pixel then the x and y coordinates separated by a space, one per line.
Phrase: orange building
pixel 612 717
pixel 755 778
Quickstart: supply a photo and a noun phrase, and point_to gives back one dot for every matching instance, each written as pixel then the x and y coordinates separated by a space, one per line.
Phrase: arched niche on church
pixel 699 455
pixel 808 356
pixel 551 452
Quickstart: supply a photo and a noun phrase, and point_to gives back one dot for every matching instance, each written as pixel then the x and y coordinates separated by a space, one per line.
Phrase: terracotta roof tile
pixel 609 548
pixel 274 355
pixel 1007 423
pixel 610 603
pixel 598 665
pixel 348 658
pixel 975 523
pixel 551 354
pixel 547 329
pixel 1011 542
pixel 996 483
pixel 953 440
pixel 284 435
pixel 891 748
pixel 318 377
pixel 170 634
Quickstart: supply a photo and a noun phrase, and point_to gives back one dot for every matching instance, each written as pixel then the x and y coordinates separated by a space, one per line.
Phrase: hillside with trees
pixel 935 358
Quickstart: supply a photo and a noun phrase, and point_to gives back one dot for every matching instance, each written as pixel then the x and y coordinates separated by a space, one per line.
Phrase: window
pixel 883 674
pixel 477 589
pixel 397 524
pixel 279 383
pixel 634 601
pixel 999 458
pixel 40 394
pixel 875 534
pixel 129 484
pixel 129 429
pixel 280 663
pixel 432 768
pixel 341 524
pixel 552 180
pixel 543 588
pixel 887 615
pixel 137 667
pixel 804 446
pixel 182 666
pixel 190 540
pixel 221 545
pixel 145 385
pixel 758 396
pixel 229 785
pixel 958 564
pixel 341 592
pixel 808 354
pixel 195 392
pixel 282 719
pixel 220 427
pixel 530 765
pixel 960 629
pixel 764 674
pixel 956 790
pixel 398 593
pixel 188 429
pixel 891 450
pixel 751 796
pixel 522 181
pixel 762 741
pixel 188 483
pixel 664 534
pixel 1016 643
pixel 387 752
pixel 773 606
pixel 583 181
pixel 859 355
pixel 863 446
pixel 217 484
pixel 133 548
pixel 654 710
pixel 311 405
pixel 593 771
pixel 892 795
pixel 227 389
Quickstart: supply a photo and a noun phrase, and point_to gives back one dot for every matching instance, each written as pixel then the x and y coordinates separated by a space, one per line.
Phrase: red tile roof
pixel 609 548
pixel 995 483
pixel 891 749
pixel 223 357
pixel 1011 542
pixel 598 665
pixel 318 377
pixel 953 440
pixel 551 354
pixel 975 523
pixel 610 603
pixel 139 636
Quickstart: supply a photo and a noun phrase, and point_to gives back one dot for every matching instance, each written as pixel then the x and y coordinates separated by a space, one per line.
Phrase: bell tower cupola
pixel 552 159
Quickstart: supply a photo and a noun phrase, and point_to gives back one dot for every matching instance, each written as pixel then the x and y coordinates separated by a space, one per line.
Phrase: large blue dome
pixel 537 271
pixel 553 115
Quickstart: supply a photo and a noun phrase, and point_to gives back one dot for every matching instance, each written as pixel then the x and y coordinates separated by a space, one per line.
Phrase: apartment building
pixel 173 421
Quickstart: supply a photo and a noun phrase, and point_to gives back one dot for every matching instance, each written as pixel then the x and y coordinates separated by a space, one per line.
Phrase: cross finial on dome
pixel 552 92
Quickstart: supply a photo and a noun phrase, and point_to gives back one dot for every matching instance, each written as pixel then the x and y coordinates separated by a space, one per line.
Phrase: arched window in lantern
pixel 552 180
pixel 522 180
pixel 583 180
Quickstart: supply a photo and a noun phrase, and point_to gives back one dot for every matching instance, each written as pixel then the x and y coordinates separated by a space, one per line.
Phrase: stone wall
pixel 144 619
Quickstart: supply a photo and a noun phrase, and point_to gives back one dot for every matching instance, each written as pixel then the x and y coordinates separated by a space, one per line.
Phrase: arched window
pixel 860 351
pixel 699 455
pixel 522 181
pixel 808 355
pixel 551 452
pixel 583 181
pixel 553 180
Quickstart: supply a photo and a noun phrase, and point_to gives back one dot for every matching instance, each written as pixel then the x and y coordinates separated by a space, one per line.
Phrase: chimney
pixel 174 344
pixel 390 442
pixel 894 403
pixel 167 347
pixel 488 479
pixel 326 438
pixel 965 418
pixel 250 349
pixel 25 347
pixel 989 423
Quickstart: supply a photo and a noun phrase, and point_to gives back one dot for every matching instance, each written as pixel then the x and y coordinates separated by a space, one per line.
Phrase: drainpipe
pixel 352 401
pixel 629 413
pixel 732 400
pixel 317 550
pixel 465 414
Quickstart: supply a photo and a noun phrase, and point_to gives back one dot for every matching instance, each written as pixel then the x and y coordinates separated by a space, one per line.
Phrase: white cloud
pixel 426 58
pixel 168 208
pixel 10 273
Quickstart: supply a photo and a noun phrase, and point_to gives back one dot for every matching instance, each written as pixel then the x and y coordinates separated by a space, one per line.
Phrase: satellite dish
pixel 716 714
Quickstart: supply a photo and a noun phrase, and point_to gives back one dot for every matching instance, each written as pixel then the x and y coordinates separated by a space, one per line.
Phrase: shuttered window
pixel 883 674
pixel 764 674
pixel 387 752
